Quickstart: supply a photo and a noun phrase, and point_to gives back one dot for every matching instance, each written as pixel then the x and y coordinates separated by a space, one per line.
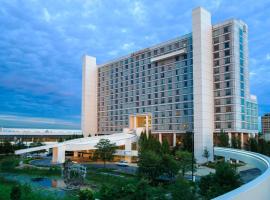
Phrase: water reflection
pixel 46 182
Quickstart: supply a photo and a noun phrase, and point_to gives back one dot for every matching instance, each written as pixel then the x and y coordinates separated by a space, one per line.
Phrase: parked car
pixel 122 163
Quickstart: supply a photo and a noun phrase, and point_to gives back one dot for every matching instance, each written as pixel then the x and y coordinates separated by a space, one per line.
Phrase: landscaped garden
pixel 160 175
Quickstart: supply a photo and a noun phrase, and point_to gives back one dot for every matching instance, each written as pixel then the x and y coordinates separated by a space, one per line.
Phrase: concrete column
pixel 89 96
pixel 230 139
pixel 135 122
pixel 202 83
pixel 160 138
pixel 75 154
pixel 174 139
pixel 58 154
pixel 128 149
pixel 147 126
pixel 242 140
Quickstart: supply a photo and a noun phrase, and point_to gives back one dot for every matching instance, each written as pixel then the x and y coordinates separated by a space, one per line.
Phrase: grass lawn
pixel 96 177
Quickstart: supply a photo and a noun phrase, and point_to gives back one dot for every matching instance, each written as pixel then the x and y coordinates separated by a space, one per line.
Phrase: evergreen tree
pixel 223 139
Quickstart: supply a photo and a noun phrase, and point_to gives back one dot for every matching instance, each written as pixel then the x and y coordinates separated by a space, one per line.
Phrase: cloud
pixel 47 16
pixel 36 121
pixel 268 56
pixel 41 45
pixel 127 46
pixel 138 11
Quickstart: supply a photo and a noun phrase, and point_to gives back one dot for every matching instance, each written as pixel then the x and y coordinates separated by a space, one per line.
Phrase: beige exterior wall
pixel 202 83
pixel 89 96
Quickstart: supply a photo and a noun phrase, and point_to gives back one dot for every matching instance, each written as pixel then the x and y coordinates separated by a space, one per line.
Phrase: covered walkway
pixel 87 143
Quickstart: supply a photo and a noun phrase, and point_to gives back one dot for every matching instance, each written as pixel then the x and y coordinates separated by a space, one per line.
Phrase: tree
pixel 149 165
pixel 223 139
pixel 86 194
pixel 187 141
pixel 182 190
pixel 105 150
pixel 6 147
pixel 169 166
pixel 165 147
pixel 224 180
pixel 235 142
pixel 184 159
pixel 206 154
pixel 15 193
pixel 252 145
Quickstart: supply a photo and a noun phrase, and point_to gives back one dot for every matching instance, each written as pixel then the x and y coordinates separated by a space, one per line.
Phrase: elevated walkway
pixel 255 189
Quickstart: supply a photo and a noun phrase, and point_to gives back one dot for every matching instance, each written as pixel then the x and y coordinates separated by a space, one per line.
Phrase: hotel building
pixel 198 82
pixel 266 124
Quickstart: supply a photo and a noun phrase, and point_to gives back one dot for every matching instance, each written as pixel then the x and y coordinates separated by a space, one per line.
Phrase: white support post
pixel 58 154
pixel 128 148
pixel 147 126
pixel 230 139
pixel 242 140
pixel 135 122
pixel 75 154
pixel 160 138
pixel 174 139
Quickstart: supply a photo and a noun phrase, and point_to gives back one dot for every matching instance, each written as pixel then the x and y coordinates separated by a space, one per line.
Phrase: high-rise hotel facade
pixel 197 83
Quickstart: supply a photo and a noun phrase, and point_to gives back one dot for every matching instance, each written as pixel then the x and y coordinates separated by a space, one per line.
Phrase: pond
pixel 54 185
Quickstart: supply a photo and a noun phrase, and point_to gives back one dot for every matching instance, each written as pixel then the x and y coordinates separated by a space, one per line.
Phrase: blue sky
pixel 42 43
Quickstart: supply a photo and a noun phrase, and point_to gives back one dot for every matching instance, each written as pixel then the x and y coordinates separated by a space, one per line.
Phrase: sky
pixel 42 44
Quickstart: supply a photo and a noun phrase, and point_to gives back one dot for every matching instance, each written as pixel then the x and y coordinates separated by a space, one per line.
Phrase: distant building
pixel 29 135
pixel 266 124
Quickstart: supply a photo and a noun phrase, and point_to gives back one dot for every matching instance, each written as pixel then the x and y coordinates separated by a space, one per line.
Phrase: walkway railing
pixel 259 188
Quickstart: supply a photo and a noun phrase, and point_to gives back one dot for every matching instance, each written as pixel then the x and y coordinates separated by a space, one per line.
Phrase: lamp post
pixel 192 151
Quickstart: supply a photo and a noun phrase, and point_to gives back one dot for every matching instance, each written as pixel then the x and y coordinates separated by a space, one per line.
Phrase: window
pixel 216 70
pixel 226 37
pixel 228 101
pixel 228 84
pixel 216 47
pixel 217 109
pixel 227 76
pixel 228 92
pixel 217 78
pixel 228 109
pixel 216 63
pixel 226 29
pixel 227 60
pixel 227 52
pixel 216 55
pixel 227 68
pixel 226 45
pixel 162 50
pixel 216 40
pixel 217 101
pixel 217 85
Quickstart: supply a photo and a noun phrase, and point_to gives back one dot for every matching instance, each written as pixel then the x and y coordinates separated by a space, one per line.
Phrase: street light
pixel 192 151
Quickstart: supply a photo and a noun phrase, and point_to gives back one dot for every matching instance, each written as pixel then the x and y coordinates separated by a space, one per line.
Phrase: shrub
pixel 86 194
pixel 8 164
pixel 15 193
